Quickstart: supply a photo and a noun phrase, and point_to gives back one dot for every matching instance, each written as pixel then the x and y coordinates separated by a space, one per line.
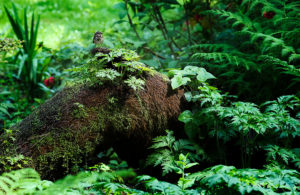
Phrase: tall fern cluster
pixel 256 50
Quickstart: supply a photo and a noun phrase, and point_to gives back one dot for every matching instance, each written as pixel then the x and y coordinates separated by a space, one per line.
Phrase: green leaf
pixel 203 75
pixel 190 165
pixel 188 96
pixel 185 183
pixel 178 81
pixel 186 116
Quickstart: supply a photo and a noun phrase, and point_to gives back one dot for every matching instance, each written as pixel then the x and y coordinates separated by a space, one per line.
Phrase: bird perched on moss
pixel 98 40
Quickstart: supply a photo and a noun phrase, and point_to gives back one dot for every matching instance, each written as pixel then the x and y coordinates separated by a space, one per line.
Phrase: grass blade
pixel 13 24
pixel 26 29
pixel 21 64
pixel 18 23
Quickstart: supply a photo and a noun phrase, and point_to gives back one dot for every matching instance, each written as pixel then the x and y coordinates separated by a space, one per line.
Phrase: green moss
pixel 79 111
pixel 112 100
pixel 36 122
pixel 69 92
pixel 116 117
pixel 9 158
pixel 65 149
pixel 58 116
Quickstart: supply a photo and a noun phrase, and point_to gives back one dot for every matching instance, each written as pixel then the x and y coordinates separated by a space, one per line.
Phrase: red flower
pixel 269 14
pixel 51 80
pixel 46 82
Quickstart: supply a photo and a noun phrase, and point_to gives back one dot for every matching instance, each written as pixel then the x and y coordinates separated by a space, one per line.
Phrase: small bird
pixel 98 38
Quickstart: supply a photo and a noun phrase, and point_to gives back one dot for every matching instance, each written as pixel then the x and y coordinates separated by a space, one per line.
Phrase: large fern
pixel 23 181
pixel 265 49
pixel 167 150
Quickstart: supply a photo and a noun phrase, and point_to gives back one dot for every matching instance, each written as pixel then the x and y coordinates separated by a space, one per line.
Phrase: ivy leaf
pixel 188 96
pixel 191 70
pixel 178 81
pixel 186 116
pixel 203 75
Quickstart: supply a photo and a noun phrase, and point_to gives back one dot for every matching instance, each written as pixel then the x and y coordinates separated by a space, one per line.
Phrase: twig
pixel 153 52
pixel 137 34
pixel 165 28
pixel 130 21
pixel 187 22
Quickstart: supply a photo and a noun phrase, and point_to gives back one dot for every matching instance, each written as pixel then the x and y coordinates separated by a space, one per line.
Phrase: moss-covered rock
pixel 71 128
pixel 60 136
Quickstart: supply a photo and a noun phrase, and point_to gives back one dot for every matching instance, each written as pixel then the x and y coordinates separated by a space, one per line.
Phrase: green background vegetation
pixel 68 21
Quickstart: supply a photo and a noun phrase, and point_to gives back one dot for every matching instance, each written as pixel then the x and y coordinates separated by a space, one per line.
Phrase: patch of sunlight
pixel 54 36
pixel 51 35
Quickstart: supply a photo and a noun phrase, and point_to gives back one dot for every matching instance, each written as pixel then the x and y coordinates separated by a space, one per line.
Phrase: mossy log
pixel 70 129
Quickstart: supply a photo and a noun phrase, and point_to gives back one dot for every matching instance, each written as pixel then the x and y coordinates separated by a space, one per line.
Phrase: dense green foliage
pixel 260 54
pixel 237 60
pixel 118 67
pixel 30 69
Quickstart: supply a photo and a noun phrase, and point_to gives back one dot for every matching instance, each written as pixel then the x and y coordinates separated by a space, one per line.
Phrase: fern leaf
pixel 225 58
pixel 23 181
pixel 237 19
pixel 265 6
pixel 294 57
pixel 269 42
pixel 213 47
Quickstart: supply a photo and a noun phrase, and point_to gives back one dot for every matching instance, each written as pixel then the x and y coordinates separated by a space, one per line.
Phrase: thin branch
pixel 137 34
pixel 162 30
pixel 187 22
pixel 153 52
pixel 130 21
pixel 165 28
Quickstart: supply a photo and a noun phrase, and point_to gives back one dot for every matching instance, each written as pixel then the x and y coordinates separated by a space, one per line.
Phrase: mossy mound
pixel 71 128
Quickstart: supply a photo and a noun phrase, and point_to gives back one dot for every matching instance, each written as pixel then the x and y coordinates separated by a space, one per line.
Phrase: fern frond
pixel 266 59
pixel 294 57
pixel 253 5
pixel 213 47
pixel 183 144
pixel 293 7
pixel 291 37
pixel 288 69
pixel 167 149
pixel 225 58
pixel 160 157
pixel 288 22
pixel 161 142
pixel 23 181
pixel 237 19
pixel 269 42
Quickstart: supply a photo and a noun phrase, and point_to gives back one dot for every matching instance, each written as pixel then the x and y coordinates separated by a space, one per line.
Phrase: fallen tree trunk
pixel 71 128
